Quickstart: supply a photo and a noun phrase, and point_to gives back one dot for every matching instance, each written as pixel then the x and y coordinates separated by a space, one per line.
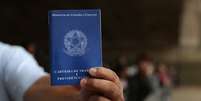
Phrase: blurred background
pixel 166 33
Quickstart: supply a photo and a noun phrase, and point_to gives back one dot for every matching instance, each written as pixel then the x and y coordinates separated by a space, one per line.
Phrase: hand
pixel 104 85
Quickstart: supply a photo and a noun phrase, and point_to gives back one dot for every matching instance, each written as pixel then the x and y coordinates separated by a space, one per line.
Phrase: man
pixel 22 79
pixel 144 83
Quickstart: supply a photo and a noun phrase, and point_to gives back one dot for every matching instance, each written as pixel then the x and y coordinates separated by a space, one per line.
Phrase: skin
pixel 103 85
pixel 146 68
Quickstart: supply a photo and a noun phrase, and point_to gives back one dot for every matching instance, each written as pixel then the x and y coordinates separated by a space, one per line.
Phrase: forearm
pixel 42 91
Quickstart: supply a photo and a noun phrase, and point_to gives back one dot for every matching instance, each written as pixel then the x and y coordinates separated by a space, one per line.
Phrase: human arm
pixel 104 85
pixel 25 80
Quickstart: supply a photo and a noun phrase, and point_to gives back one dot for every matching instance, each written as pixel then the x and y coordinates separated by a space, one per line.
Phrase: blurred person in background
pixel 38 53
pixel 164 77
pixel 122 60
pixel 30 46
pixel 22 79
pixel 144 83
pixel 174 73
pixel 121 71
pixel 120 67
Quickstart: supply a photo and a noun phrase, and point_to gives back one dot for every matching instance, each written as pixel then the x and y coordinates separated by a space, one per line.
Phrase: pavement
pixel 187 94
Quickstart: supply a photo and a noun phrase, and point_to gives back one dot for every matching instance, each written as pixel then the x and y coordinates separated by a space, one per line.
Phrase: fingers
pixel 107 88
pixel 104 73
pixel 104 86
pixel 98 98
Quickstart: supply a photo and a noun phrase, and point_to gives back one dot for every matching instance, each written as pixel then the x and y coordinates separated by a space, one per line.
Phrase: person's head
pixel 30 46
pixel 161 68
pixel 144 63
pixel 121 70
pixel 120 65
pixel 122 60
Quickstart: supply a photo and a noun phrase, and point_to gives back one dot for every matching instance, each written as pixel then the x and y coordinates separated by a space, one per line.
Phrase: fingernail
pixel 92 71
pixel 83 82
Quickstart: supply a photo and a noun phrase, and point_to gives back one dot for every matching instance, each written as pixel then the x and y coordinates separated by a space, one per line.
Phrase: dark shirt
pixel 139 88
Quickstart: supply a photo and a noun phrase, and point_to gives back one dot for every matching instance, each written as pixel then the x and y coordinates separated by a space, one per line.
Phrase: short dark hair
pixel 144 57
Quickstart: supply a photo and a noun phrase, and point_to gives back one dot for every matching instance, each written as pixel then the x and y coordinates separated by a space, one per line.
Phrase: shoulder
pixel 6 48
pixel 14 53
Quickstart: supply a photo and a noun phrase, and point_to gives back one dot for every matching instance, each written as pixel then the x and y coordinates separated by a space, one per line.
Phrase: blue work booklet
pixel 75 44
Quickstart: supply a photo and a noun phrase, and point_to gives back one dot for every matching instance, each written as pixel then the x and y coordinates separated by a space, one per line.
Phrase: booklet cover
pixel 75 44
